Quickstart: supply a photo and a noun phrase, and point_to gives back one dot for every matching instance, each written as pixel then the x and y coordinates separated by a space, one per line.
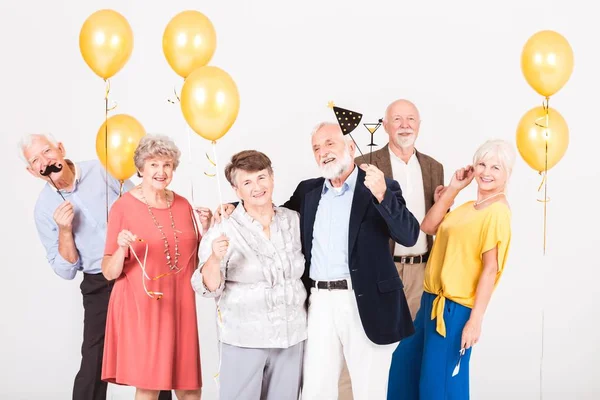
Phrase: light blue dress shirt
pixel 330 234
pixel 88 197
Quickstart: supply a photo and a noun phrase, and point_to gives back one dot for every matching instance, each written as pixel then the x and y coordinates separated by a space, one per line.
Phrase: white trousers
pixel 335 332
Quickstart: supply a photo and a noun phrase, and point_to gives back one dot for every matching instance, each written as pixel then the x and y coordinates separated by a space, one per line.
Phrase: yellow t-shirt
pixel 456 261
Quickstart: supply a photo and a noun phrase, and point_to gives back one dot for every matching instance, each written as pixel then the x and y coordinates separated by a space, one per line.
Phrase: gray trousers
pixel 260 374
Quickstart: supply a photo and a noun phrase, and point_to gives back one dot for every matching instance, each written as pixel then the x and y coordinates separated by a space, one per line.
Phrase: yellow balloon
pixel 106 42
pixel 533 137
pixel 547 62
pixel 124 134
pixel 189 42
pixel 210 102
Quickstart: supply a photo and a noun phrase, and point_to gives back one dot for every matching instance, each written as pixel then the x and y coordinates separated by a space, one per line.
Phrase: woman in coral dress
pixel 151 250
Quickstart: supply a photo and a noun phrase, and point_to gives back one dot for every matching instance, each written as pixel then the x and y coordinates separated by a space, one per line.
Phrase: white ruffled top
pixel 261 299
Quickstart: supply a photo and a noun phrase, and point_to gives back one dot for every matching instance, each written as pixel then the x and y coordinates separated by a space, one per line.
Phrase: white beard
pixel 336 168
pixel 405 142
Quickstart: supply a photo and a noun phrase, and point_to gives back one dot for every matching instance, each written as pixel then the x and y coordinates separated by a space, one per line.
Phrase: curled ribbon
pixel 177 98
pixel 213 164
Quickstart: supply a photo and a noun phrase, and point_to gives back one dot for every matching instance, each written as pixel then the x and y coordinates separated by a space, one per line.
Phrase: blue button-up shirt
pixel 329 260
pixel 88 197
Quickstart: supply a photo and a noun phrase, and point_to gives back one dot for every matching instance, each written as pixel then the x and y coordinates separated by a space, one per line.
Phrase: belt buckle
pixel 412 260
pixel 328 285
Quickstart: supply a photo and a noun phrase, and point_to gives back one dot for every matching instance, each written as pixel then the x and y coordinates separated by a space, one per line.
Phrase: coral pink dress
pixel 153 344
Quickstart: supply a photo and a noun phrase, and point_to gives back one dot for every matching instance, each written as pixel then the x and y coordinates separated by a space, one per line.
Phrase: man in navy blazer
pixel 357 308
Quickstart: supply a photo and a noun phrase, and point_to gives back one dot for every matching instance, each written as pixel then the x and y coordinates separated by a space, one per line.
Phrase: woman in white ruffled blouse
pixel 252 264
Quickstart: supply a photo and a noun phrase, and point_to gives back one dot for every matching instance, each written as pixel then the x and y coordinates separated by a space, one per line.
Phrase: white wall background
pixel 458 61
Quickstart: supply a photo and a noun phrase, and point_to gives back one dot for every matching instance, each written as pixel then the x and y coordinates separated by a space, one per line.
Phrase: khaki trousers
pixel 412 276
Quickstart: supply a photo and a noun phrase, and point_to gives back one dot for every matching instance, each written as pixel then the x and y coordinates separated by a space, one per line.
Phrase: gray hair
pixel 503 150
pixel 26 141
pixel 320 125
pixel 155 146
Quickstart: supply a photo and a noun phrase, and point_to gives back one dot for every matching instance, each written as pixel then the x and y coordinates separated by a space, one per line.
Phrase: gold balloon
pixel 124 134
pixel 532 138
pixel 547 62
pixel 106 42
pixel 210 102
pixel 189 42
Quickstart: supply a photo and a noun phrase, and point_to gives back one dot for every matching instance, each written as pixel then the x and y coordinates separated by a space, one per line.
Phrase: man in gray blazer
pixel 421 179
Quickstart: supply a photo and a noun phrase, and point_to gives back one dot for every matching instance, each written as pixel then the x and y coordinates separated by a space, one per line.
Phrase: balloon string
pixel 214 144
pixel 542 350
pixel 545 196
pixel 107 91
pixel 545 200
pixel 544 184
pixel 189 140
pixel 547 115
pixel 120 188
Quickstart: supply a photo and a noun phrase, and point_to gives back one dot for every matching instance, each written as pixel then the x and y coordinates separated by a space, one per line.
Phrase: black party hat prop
pixel 348 120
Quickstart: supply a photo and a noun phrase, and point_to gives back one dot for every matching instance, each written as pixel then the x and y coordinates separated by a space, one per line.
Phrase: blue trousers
pixel 422 364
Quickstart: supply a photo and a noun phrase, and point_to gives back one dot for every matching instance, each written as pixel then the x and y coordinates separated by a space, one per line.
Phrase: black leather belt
pixel 330 285
pixel 422 258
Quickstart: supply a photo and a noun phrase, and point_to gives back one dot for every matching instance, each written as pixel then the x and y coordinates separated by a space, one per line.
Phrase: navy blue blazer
pixel 378 289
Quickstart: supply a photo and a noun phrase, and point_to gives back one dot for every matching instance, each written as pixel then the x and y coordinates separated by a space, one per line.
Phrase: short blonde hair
pixel 155 146
pixel 502 149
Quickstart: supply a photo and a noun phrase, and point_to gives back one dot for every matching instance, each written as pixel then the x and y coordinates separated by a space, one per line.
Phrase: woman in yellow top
pixel 466 262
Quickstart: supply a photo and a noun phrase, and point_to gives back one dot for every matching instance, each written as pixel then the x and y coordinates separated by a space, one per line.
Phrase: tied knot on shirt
pixel 437 311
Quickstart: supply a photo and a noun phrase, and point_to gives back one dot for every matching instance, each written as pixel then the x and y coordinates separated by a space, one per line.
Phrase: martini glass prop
pixel 50 169
pixel 372 128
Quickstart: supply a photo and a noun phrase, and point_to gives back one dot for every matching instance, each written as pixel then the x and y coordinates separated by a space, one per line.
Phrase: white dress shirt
pixel 330 233
pixel 410 178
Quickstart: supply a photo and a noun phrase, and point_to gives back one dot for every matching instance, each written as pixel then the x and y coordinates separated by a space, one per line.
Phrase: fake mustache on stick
pixel 50 169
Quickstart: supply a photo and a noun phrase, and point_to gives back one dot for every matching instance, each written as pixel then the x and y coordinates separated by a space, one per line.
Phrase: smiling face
pixel 40 153
pixel 157 172
pixel 255 189
pixel 490 174
pixel 333 154
pixel 402 122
